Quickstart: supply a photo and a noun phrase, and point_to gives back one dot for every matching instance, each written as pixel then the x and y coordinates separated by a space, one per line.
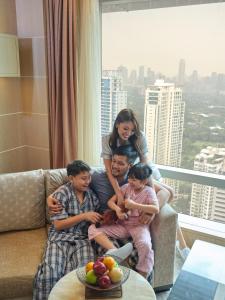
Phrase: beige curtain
pixel 74 80
pixel 89 82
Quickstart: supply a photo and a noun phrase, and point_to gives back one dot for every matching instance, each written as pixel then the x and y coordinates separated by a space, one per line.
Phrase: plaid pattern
pixel 60 258
pixel 66 249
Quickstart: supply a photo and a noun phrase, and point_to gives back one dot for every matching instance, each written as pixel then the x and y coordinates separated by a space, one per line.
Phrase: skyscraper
pixel 208 202
pixel 181 73
pixel 113 99
pixel 163 124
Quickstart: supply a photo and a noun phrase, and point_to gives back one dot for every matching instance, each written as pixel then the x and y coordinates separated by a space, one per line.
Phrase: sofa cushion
pixel 22 200
pixel 54 179
pixel 21 253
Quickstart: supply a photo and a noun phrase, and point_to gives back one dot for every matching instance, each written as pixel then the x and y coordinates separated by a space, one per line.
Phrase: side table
pixel 70 288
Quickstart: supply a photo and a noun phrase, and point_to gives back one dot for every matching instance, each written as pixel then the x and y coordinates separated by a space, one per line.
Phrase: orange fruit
pixel 89 266
pixel 109 262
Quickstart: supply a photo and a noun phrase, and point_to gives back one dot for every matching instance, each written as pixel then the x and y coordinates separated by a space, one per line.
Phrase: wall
pixel 24 139
pixel 12 155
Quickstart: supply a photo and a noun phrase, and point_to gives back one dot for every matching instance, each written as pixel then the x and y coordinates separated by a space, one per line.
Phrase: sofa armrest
pixel 163 233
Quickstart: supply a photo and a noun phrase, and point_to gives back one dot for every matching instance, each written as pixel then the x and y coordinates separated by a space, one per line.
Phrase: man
pixel 123 159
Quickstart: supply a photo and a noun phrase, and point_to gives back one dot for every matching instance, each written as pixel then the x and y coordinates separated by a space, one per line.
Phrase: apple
pixel 100 258
pixel 91 277
pixel 104 281
pixel 99 268
pixel 115 274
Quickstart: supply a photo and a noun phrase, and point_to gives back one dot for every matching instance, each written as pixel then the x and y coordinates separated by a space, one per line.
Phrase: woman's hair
pixel 125 115
pixel 76 167
pixel 140 171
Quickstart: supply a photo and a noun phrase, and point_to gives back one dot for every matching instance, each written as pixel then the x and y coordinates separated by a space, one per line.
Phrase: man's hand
pixel 121 215
pixel 54 207
pixel 92 217
pixel 129 203
pixel 146 218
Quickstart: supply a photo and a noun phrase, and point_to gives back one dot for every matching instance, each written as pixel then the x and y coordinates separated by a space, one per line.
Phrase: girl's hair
pixel 140 171
pixel 125 115
pixel 76 167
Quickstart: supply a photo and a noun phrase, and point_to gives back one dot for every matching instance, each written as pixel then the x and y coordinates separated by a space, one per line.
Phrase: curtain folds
pixel 89 82
pixel 72 43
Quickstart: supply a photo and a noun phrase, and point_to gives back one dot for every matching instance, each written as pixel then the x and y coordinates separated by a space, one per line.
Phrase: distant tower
pixel 141 75
pixel 113 99
pixel 124 73
pixel 133 77
pixel 208 202
pixel 181 73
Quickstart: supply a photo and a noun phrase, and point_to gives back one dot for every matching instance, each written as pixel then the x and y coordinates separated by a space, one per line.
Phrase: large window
pixel 168 65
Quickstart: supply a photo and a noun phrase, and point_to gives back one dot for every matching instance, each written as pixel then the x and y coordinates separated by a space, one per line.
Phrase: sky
pixel 159 38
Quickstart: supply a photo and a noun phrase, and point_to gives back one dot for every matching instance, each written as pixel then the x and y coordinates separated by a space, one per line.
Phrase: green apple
pixel 91 277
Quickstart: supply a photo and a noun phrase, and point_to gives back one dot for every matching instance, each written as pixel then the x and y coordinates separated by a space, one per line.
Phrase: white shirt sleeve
pixel 106 150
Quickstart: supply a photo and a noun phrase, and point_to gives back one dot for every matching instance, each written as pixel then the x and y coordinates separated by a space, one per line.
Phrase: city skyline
pixel 193 33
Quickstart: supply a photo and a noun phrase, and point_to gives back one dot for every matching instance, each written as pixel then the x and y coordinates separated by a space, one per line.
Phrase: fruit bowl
pixel 81 275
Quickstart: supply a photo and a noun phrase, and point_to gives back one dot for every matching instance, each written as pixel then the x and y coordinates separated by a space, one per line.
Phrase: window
pixel 169 65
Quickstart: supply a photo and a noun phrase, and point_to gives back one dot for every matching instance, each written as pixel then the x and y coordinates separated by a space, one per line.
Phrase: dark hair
pixel 128 151
pixel 125 115
pixel 140 171
pixel 76 167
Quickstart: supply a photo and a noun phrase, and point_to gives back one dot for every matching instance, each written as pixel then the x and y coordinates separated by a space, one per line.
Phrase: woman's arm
pixel 90 216
pixel 113 205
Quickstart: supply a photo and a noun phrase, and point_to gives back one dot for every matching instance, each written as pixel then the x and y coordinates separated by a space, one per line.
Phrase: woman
pixel 126 130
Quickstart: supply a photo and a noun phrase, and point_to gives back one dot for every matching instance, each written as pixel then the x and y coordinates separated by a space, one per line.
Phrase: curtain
pixel 61 40
pixel 89 82
pixel 74 80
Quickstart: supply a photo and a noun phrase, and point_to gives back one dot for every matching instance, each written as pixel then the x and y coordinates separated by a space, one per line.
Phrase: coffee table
pixel 203 274
pixel 70 288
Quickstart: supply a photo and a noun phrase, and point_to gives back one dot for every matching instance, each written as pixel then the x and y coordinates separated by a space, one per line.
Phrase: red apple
pixel 99 268
pixel 100 258
pixel 104 281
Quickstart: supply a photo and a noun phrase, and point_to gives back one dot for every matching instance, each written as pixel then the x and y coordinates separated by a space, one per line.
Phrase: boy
pixel 68 246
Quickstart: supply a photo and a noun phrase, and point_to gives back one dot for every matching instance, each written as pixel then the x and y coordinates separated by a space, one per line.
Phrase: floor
pixel 178 265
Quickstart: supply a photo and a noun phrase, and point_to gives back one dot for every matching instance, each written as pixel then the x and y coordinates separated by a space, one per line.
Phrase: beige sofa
pixel 23 232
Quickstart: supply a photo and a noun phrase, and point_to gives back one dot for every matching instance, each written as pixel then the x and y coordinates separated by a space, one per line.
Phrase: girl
pixel 126 131
pixel 138 198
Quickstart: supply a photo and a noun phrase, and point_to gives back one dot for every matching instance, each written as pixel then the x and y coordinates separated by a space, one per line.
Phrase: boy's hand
pixel 92 217
pixel 129 203
pixel 146 218
pixel 54 207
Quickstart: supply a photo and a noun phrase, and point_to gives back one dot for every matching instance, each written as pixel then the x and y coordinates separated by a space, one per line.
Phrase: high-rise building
pixel 208 202
pixel 164 123
pixel 113 99
pixel 181 73
pixel 133 77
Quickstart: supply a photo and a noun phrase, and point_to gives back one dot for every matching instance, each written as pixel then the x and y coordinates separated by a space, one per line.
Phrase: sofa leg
pixel 163 288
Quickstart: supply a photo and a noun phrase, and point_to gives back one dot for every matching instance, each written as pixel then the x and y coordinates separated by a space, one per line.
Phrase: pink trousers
pixel 141 238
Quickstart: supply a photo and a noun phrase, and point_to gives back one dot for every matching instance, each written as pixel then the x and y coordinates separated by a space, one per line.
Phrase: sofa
pixel 23 232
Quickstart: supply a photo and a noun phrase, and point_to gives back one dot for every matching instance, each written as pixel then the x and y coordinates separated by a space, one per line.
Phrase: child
pixel 138 198
pixel 67 245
